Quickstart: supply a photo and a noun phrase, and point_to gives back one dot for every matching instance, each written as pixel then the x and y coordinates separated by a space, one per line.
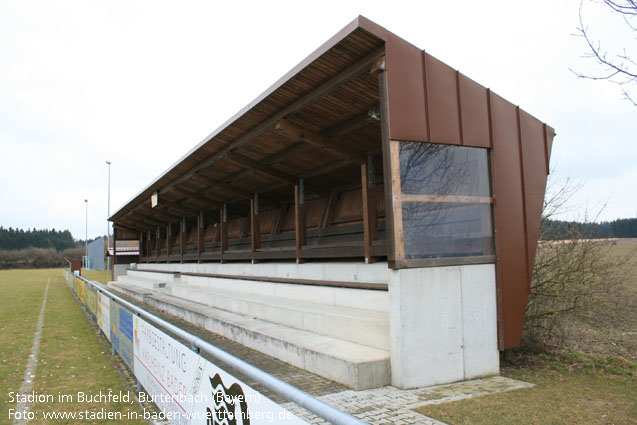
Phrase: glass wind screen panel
pixel 446 201
pixel 441 230
pixel 434 169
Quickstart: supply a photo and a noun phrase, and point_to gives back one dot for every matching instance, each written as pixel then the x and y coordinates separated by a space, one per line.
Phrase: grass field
pixel 70 359
pixel 612 331
pixel 100 276
pixel 571 388
pixel 592 379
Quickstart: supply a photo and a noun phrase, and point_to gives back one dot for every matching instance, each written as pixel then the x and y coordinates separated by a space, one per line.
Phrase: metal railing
pixel 274 384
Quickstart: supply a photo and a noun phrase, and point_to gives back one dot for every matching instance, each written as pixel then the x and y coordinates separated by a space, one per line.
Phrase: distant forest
pixel 16 239
pixel 60 240
pixel 620 228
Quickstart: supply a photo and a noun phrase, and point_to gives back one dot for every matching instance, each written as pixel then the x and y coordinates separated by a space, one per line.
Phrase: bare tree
pixel 616 62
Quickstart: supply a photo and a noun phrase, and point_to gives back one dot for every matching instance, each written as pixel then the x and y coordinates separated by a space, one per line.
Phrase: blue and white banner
pixel 191 390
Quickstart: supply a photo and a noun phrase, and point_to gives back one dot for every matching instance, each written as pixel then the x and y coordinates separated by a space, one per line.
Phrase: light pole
pixel 108 214
pixel 86 236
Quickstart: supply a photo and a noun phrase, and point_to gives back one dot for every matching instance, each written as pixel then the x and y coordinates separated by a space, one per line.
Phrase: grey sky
pixel 141 82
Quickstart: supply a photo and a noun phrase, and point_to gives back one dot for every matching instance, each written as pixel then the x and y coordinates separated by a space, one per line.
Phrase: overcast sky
pixel 140 83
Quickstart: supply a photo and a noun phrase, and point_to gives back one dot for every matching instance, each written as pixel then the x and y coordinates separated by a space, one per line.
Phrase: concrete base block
pixel 443 324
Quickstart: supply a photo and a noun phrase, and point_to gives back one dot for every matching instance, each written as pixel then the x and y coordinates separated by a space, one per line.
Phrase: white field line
pixel 29 374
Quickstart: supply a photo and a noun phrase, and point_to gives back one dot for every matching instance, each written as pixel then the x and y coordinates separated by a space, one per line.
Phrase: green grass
pixel 102 277
pixel 22 294
pixel 570 389
pixel 70 359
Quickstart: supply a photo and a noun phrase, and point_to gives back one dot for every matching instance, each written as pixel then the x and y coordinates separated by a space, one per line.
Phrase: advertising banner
pixel 80 290
pixel 122 332
pixel 104 314
pixel 91 299
pixel 191 390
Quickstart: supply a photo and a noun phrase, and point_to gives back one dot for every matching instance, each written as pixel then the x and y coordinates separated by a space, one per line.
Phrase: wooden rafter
pixel 350 124
pixel 225 187
pixel 361 66
pixel 318 141
pixel 258 166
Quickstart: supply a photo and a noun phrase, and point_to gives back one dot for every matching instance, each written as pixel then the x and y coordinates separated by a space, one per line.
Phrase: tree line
pixel 619 228
pixel 16 239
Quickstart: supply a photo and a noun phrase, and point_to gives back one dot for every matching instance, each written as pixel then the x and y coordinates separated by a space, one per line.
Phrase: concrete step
pixel 155 276
pixel 144 283
pixel 332 271
pixel 355 365
pixel 365 327
pixel 138 292
pixel 344 297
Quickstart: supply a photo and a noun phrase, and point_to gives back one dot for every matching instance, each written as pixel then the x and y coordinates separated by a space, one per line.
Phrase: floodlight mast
pixel 86 236
pixel 108 214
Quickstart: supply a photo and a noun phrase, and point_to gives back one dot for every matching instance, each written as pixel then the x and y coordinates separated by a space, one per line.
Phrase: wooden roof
pixel 318 123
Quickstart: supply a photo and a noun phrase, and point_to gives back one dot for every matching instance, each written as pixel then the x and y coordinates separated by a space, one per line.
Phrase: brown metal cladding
pixel 458 112
pixel 548 143
pixel 533 161
pixel 442 97
pixel 511 248
pixel 406 90
pixel 475 113
pixel 454 106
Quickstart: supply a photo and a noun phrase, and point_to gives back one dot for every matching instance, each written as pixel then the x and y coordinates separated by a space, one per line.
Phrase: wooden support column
pixel 200 235
pixel 370 228
pixel 114 253
pixel 223 230
pixel 391 180
pixel 299 219
pixel 254 226
pixel 141 246
pixel 169 242
pixel 157 247
pixel 149 245
pixel 182 248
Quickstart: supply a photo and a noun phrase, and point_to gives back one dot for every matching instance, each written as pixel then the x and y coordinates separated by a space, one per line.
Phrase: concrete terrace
pixel 383 405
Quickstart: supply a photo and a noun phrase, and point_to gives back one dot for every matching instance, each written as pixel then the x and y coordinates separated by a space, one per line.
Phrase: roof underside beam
pixel 360 67
pixel 316 140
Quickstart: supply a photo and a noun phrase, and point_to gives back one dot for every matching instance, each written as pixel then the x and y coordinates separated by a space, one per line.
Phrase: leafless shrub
pixel 572 277
pixel 31 258
pixel 75 252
